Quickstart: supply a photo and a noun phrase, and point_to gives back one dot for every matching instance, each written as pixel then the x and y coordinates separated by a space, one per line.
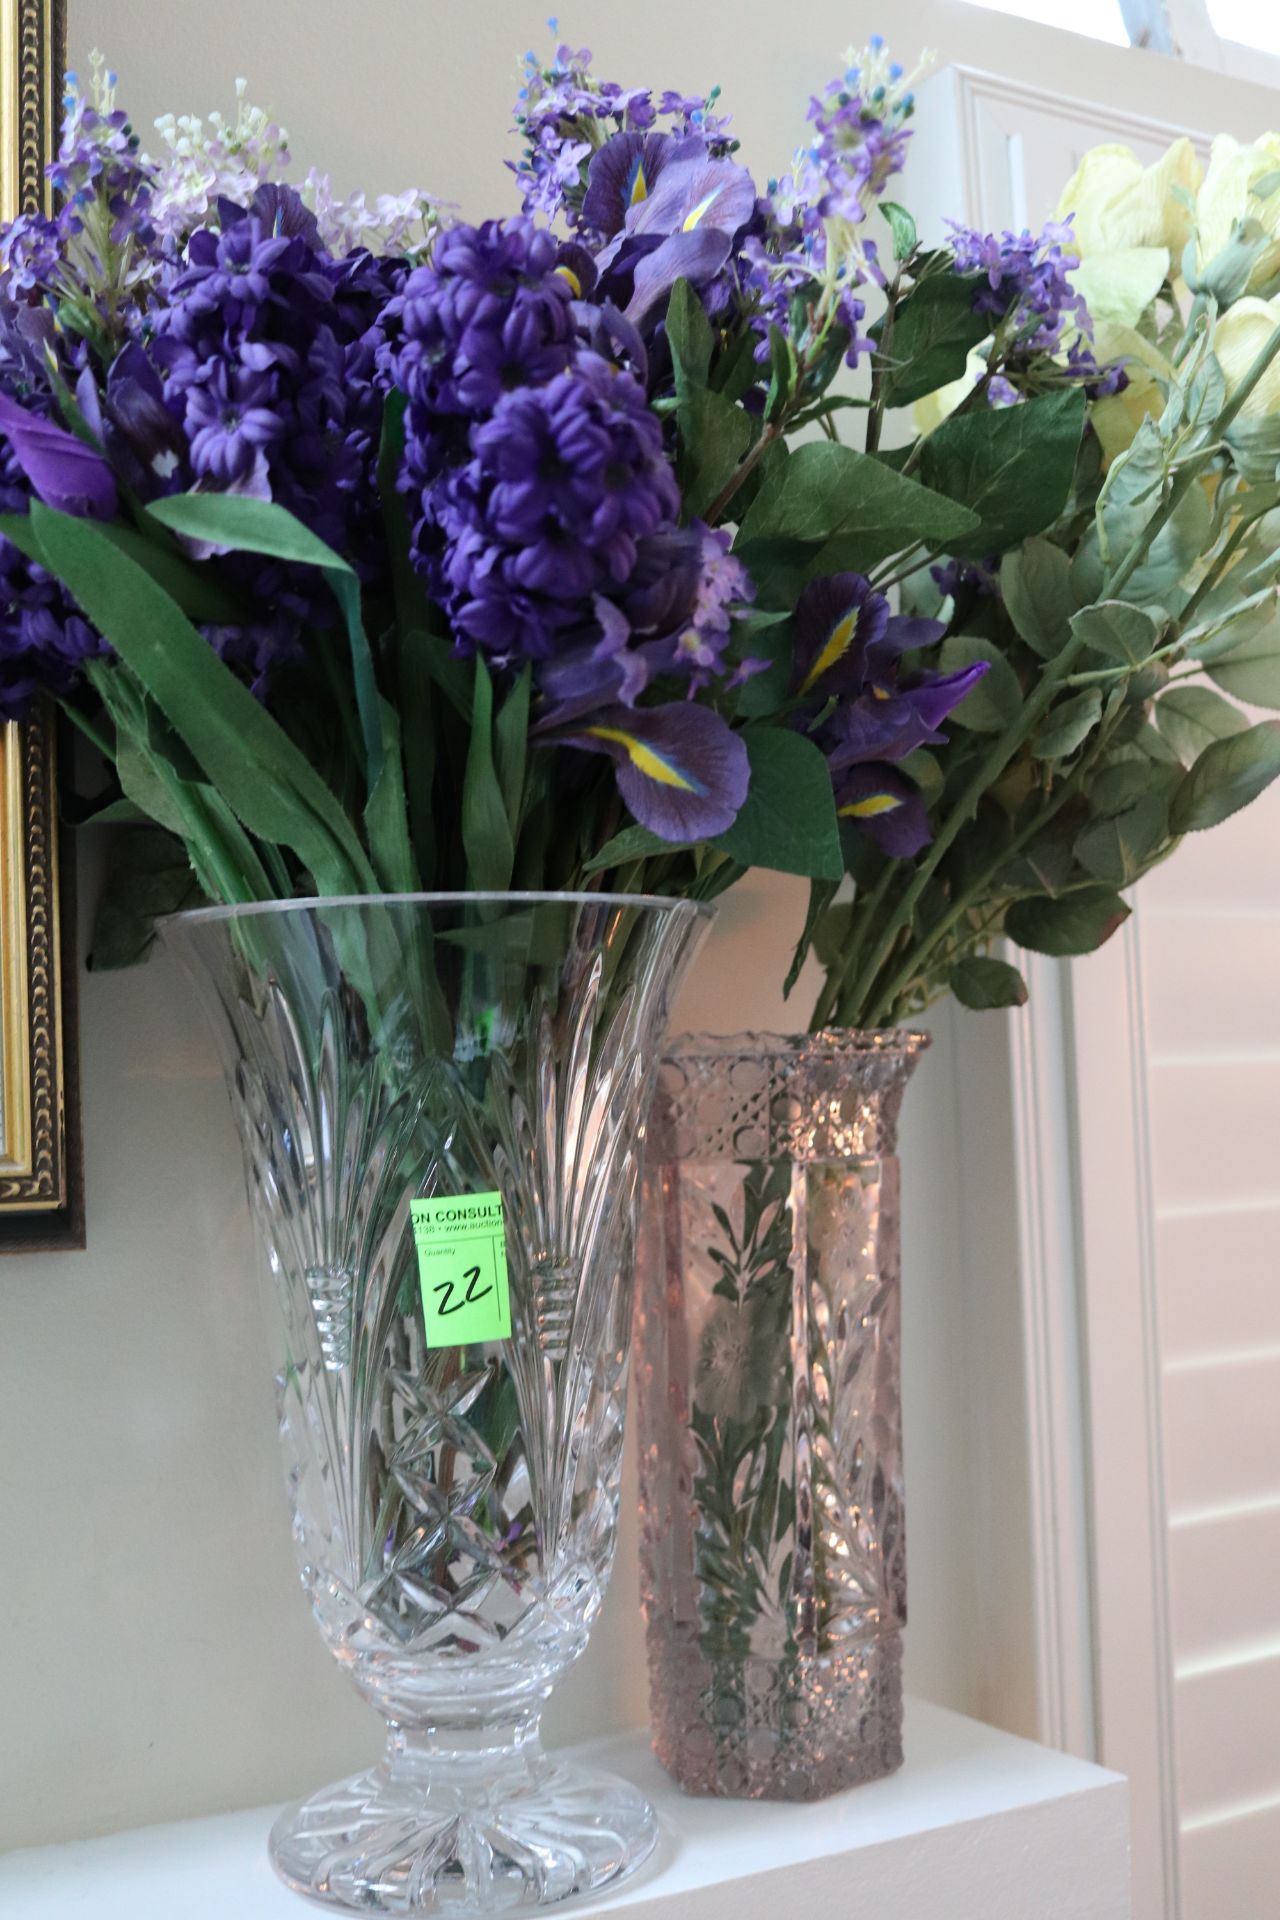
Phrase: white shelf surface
pixel 977 1826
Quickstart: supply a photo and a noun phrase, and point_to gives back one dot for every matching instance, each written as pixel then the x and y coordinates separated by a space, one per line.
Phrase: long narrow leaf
pixel 247 756
pixel 244 525
pixel 486 833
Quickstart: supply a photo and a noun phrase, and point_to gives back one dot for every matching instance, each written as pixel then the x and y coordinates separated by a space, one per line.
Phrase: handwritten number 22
pixel 471 1275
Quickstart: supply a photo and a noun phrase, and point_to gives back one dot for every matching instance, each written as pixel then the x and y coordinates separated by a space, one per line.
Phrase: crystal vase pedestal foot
pixel 439 1826
pixel 454 1480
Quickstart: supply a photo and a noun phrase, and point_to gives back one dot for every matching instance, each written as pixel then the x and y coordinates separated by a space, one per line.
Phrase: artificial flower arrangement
pixel 598 545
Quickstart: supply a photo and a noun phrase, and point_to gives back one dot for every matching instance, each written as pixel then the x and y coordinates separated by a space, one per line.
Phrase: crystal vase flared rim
pixel 826 1042
pixel 248 909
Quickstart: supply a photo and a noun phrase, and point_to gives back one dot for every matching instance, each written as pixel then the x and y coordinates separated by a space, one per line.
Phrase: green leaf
pixel 1067 726
pixel 996 701
pixel 1120 633
pixel 511 747
pixel 849 505
pixel 902 227
pixel 763 636
pixel 934 331
pixel 150 876
pixel 1074 923
pixel 1012 466
pixel 1227 776
pixel 714 435
pixel 980 983
pixel 1035 581
pixel 788 820
pixel 1119 847
pixel 201 595
pixel 486 831
pixel 1191 718
pixel 247 755
pixel 386 816
pixel 633 843
pixel 243 525
pixel 690 336
pixel 1251 670
pixel 821 895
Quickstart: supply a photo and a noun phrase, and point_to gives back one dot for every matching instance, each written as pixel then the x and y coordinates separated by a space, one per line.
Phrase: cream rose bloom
pixel 1241 334
pixel 1119 203
pixel 1227 197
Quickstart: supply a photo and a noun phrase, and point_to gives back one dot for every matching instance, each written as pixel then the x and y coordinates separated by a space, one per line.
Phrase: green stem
pixel 825 1005
pixel 742 471
pixel 969 899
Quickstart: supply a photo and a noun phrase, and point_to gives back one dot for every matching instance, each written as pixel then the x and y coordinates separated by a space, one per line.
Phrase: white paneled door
pixel 1147 1100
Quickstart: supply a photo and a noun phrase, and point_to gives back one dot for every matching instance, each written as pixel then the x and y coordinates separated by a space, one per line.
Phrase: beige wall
pixel 156 1658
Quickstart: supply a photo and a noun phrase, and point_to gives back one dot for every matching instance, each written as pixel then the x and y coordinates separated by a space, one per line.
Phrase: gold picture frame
pixel 41 1192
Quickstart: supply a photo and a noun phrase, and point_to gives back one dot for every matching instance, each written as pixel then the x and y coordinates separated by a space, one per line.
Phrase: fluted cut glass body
pixel 767 1323
pixel 454 1506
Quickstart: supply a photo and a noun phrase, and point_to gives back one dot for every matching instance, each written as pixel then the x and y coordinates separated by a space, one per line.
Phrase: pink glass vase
pixel 767 1365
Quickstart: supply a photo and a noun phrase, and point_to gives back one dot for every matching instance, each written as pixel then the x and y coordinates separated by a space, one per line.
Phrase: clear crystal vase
pixel 767 1369
pixel 454 1504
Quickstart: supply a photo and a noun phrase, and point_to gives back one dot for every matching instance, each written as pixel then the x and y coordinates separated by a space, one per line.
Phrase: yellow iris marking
pixel 880 693
pixel 839 643
pixel 692 219
pixel 639 188
pixel 875 803
pixel 575 285
pixel 651 764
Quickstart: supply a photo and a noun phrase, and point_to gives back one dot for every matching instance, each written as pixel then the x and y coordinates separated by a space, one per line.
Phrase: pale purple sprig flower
pixel 205 160
pixel 816 214
pixel 1027 279
pixel 1025 285
pixel 402 224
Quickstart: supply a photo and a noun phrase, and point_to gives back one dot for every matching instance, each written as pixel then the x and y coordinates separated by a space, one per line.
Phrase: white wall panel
pixel 1229 1866
pixel 1215 1127
pixel 1219 1281
pixel 1225 1574
pixel 1228 1721
pixel 1222 1435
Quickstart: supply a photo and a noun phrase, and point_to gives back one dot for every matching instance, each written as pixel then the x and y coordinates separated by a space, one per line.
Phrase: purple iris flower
pixel 63 472
pixel 888 723
pixel 848 645
pixel 624 173
pixel 684 229
pixel 681 769
pixel 846 636
pixel 887 807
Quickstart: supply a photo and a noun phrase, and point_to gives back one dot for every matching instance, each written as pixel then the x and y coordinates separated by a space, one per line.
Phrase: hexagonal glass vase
pixel 455 1502
pixel 767 1371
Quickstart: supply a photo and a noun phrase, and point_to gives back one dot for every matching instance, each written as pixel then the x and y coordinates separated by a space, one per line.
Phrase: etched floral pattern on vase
pixel 454 1507
pixel 773 1551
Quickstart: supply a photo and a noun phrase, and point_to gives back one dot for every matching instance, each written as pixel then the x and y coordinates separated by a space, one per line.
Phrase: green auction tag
pixel 462 1264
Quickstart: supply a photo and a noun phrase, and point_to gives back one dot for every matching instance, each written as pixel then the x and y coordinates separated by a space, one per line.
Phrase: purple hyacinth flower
pixel 681 769
pixel 230 425
pixel 887 807
pixel 625 171
pixel 63 472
